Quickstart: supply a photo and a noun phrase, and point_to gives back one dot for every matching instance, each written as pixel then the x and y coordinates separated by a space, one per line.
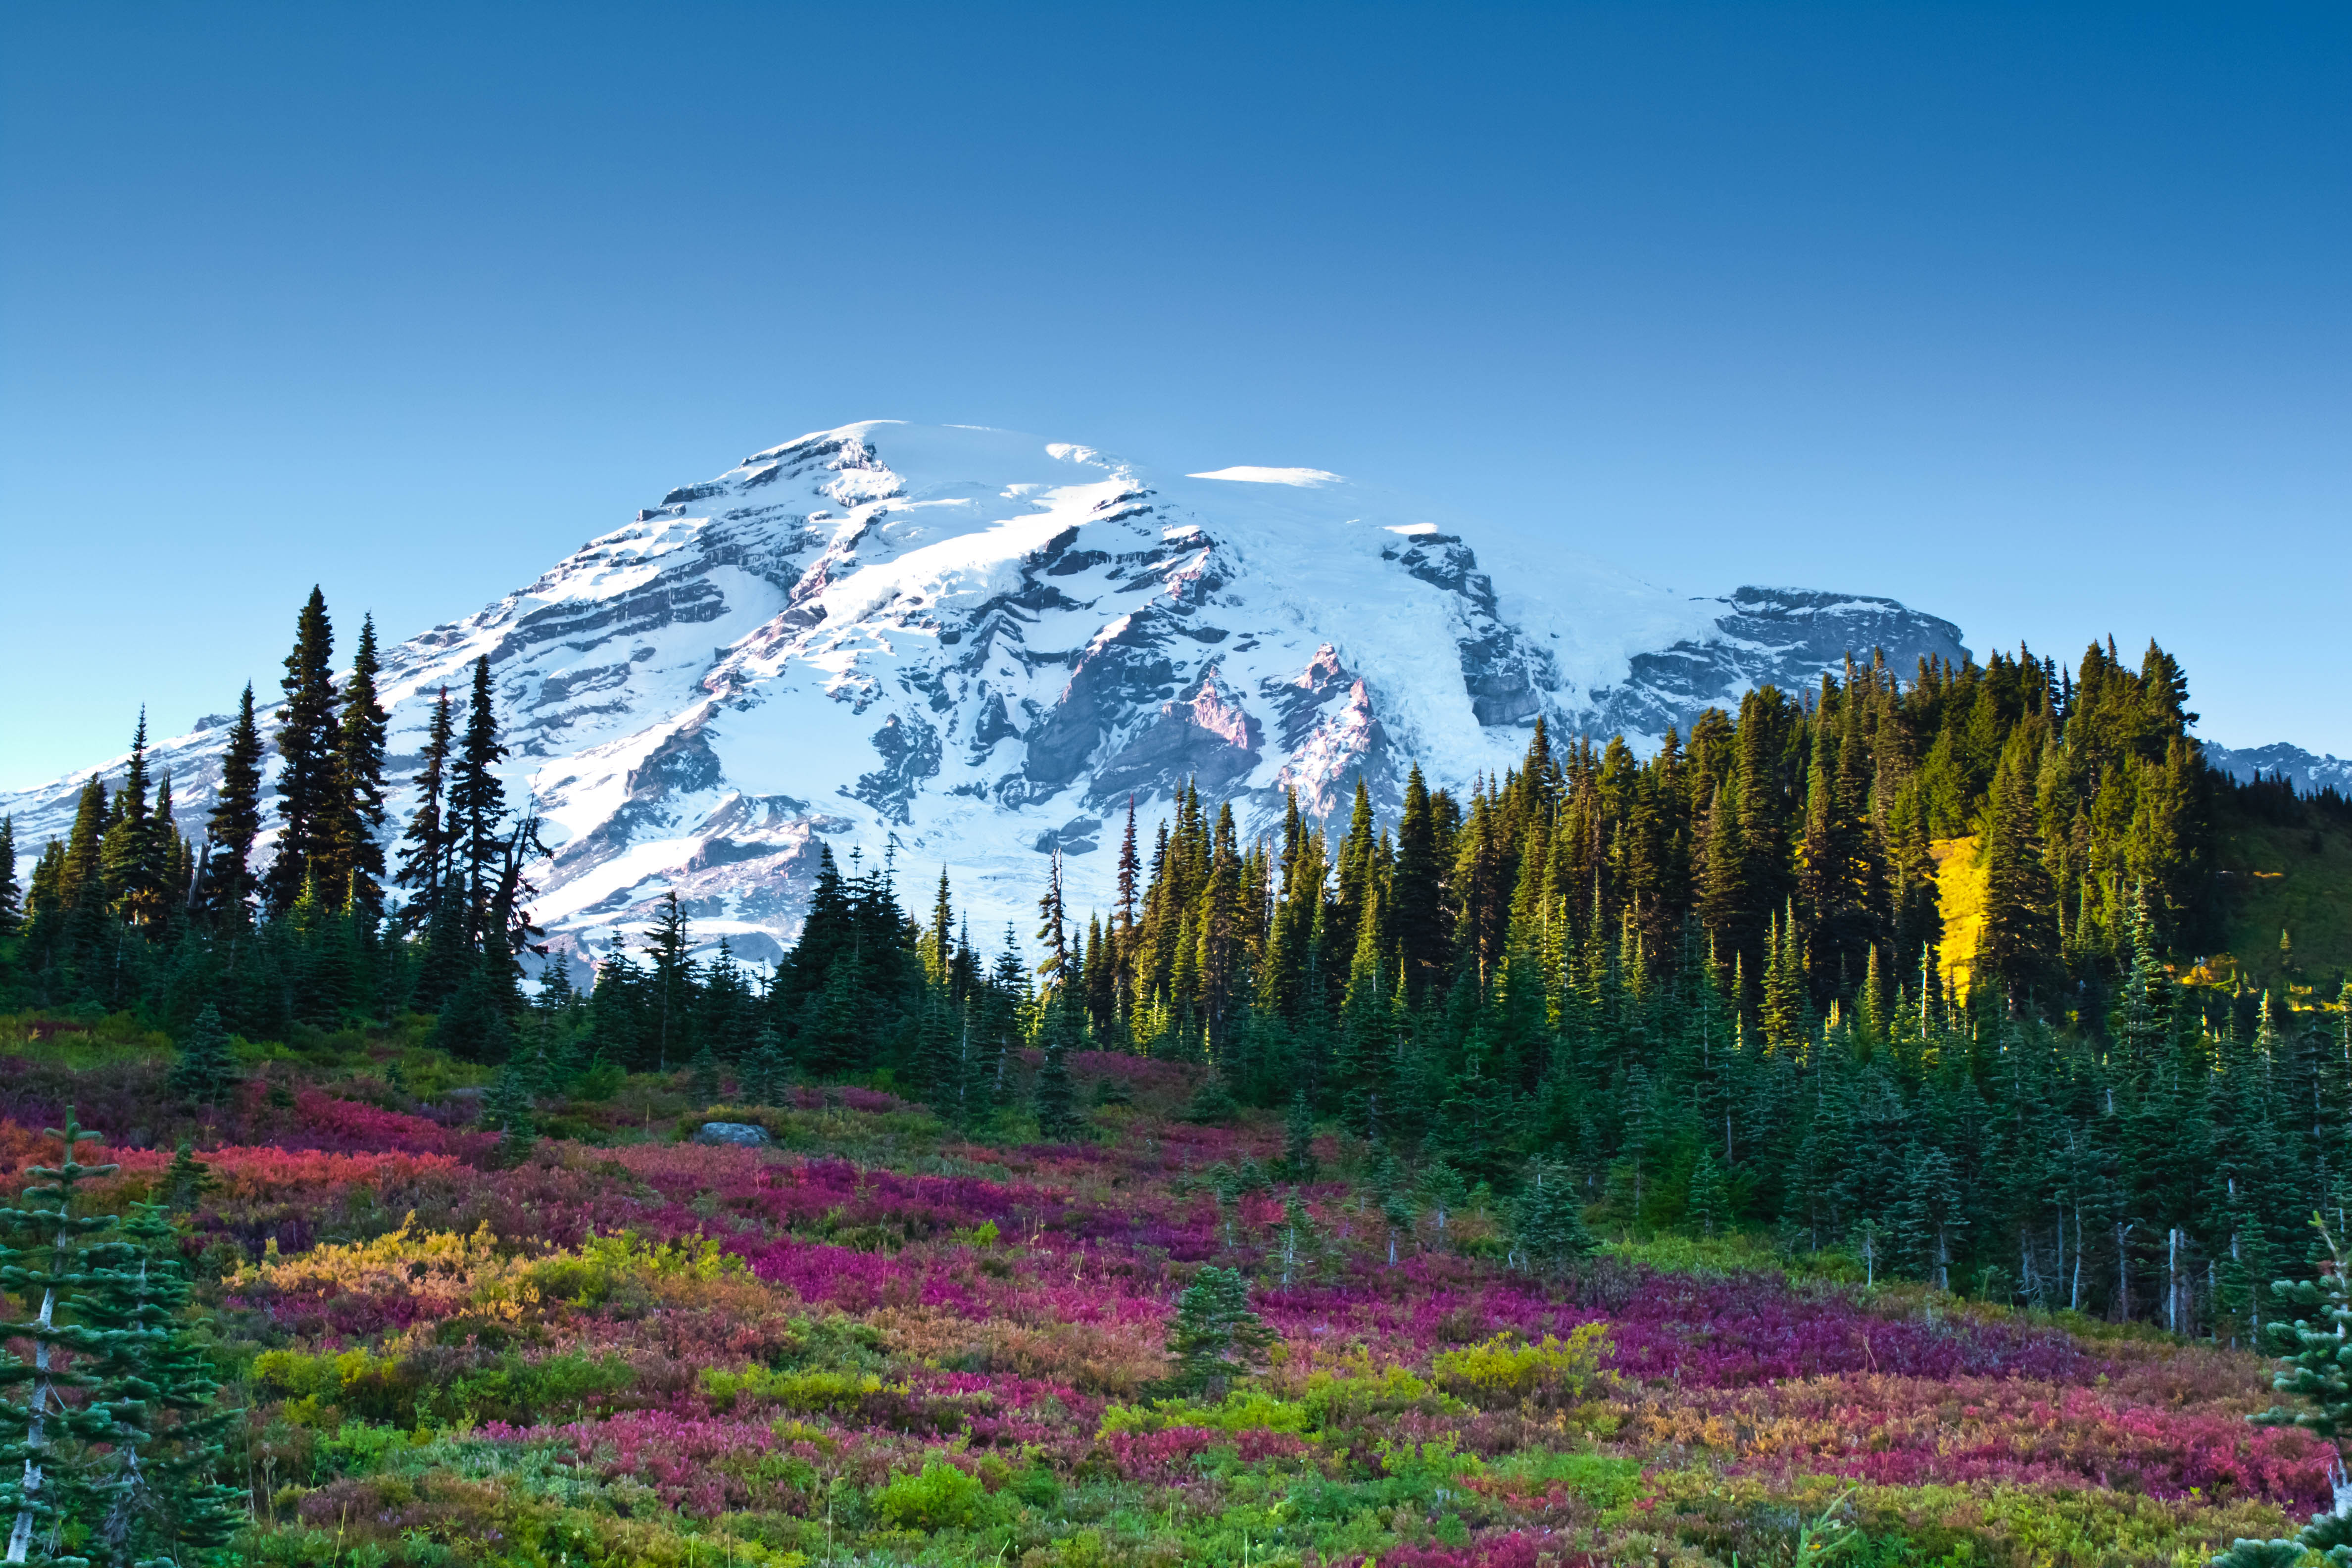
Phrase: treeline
pixel 1706 986
pixel 340 925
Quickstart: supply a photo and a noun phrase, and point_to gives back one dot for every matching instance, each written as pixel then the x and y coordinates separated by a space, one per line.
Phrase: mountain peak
pixel 973 644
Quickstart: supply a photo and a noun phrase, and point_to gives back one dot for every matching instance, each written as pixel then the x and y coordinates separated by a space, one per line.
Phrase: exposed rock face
pixel 972 648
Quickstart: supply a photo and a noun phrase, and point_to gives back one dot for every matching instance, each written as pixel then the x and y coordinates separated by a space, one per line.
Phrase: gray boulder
pixel 742 1132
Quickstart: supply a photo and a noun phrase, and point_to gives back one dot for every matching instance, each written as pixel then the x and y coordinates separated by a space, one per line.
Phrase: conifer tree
pixel 1442 1189
pixel 355 850
pixel 187 1180
pixel 1709 1206
pixel 424 847
pixel 132 860
pixel 205 1072
pixel 702 1079
pixel 1547 1221
pixel 669 945
pixel 52 1262
pixel 764 1070
pixel 12 902
pixel 506 1110
pixel 477 812
pixel 307 784
pixel 1418 909
pixel 1298 1137
pixel 78 868
pixel 235 821
pixel 1215 1334
pixel 2311 1368
pixel 161 1504
pixel 2019 945
pixel 1056 1098
pixel 1931 1219
pixel 1212 1103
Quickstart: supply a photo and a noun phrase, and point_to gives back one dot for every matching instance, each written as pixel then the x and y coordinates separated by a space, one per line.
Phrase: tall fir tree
pixel 235 821
pixel 423 862
pixel 354 834
pixel 477 811
pixel 12 901
pixel 308 803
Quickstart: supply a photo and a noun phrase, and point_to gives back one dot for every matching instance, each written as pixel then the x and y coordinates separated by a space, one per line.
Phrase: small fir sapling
pixel 761 1081
pixel 53 1262
pixel 506 1109
pixel 1547 1220
pixel 1058 1111
pixel 1215 1333
pixel 2312 1367
pixel 702 1081
pixel 1298 1139
pixel 1710 1205
pixel 205 1073
pixel 188 1180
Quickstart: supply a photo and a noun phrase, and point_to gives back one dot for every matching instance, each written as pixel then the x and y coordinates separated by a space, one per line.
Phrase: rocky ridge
pixel 949 645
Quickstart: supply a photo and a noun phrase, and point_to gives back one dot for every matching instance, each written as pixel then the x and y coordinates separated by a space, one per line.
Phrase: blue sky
pixel 2036 317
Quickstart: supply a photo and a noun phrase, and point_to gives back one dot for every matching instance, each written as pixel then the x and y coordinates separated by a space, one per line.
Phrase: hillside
pixel 866 1338
pixel 2286 871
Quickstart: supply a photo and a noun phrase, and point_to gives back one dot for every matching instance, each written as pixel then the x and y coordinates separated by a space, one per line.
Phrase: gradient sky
pixel 2036 317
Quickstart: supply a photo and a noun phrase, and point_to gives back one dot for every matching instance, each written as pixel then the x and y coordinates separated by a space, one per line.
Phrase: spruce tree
pixel 12 902
pixel 702 1076
pixel 764 1070
pixel 669 944
pixel 235 821
pixel 53 1261
pixel 187 1180
pixel 425 848
pixel 2312 1369
pixel 1298 1137
pixel 1057 1099
pixel 205 1072
pixel 131 861
pixel 355 814
pixel 79 869
pixel 1547 1221
pixel 477 813
pixel 506 1110
pixel 306 745
pixel 1930 1217
pixel 162 1503
pixel 1212 1103
pixel 1214 1333
pixel 1710 1205
pixel 2017 948
pixel 1418 909
pixel 1443 1191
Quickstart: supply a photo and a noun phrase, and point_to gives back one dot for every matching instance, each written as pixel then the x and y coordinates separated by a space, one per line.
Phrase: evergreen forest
pixel 1911 993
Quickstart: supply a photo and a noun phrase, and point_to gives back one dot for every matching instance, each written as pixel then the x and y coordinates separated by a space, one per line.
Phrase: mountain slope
pixel 976 646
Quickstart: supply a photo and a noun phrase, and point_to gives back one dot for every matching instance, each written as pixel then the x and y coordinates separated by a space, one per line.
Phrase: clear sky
pixel 2037 317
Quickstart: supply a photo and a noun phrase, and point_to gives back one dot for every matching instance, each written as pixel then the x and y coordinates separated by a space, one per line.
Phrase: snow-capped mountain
pixel 975 647
pixel 2310 771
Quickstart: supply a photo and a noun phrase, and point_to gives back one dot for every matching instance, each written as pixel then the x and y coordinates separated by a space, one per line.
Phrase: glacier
pixel 959 647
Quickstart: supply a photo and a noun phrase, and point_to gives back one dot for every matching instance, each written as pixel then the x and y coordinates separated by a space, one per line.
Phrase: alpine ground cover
pixel 877 1341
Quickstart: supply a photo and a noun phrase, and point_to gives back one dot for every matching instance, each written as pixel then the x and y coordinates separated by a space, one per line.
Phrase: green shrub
pixel 942 1498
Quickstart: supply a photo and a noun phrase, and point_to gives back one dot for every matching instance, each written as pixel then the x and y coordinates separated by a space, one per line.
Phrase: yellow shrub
pixel 806 1390
pixel 1505 1371
pixel 443 1271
